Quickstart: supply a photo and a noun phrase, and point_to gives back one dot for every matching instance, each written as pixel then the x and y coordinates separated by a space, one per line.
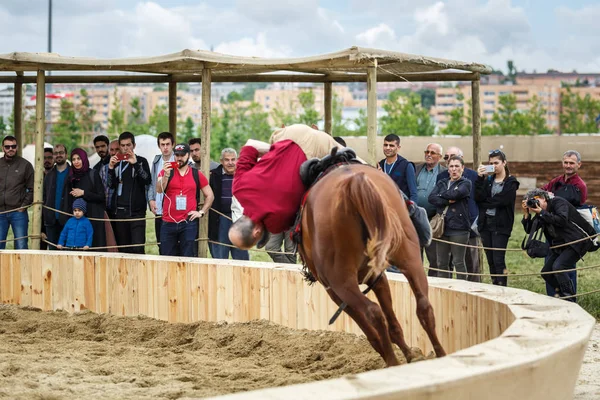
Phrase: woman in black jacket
pixel 85 183
pixel 562 224
pixel 451 196
pixel 495 194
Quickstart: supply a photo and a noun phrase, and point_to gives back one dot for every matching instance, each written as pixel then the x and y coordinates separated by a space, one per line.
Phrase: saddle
pixel 314 169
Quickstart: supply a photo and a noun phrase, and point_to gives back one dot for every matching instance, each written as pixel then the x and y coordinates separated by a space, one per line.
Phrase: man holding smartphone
pixel 155 200
pixel 129 176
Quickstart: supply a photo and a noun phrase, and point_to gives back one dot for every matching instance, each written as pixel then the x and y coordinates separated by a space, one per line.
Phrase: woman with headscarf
pixel 85 183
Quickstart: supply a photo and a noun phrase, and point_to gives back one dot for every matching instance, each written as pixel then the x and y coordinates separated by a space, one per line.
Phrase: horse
pixel 354 224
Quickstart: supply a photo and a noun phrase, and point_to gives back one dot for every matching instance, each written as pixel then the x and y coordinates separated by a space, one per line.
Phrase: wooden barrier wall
pixel 506 343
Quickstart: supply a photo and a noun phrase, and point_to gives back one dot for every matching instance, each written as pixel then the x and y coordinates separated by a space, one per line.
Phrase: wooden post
pixel 18 115
pixel 205 154
pixel 328 106
pixel 476 106
pixel 40 131
pixel 173 110
pixel 372 112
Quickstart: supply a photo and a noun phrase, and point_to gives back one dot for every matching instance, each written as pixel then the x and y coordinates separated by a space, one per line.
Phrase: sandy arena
pixel 55 355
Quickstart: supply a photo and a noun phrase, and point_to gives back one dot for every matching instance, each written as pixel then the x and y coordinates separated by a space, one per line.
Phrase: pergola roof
pixel 191 62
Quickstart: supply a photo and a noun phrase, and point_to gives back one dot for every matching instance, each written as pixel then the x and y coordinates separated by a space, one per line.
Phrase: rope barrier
pixel 515 275
pixel 107 247
pixel 19 208
pixel 106 219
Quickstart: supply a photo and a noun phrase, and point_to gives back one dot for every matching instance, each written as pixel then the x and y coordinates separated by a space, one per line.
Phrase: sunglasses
pixel 447 156
pixel 10 146
pixel 430 153
pixel 497 152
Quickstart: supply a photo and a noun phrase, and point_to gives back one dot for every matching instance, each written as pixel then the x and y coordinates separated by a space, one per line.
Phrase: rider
pixel 268 189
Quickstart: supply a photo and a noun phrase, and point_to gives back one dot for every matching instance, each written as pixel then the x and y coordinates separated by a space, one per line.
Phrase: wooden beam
pixel 476 123
pixel 328 106
pixel 40 132
pixel 205 154
pixel 414 77
pixel 173 110
pixel 18 116
pixel 372 112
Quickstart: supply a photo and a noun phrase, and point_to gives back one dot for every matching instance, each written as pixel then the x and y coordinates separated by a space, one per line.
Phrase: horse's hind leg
pixel 384 296
pixel 369 317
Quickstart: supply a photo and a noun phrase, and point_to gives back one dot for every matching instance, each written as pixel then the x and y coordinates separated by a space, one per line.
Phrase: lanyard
pixel 391 168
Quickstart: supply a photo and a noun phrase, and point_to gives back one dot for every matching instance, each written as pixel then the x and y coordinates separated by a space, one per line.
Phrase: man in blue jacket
pixel 398 168
pixel 472 253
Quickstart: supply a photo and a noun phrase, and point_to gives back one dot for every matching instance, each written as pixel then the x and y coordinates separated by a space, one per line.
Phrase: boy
pixel 78 231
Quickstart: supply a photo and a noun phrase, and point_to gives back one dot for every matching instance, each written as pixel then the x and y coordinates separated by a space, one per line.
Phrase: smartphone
pixel 174 164
pixel 122 157
pixel 489 169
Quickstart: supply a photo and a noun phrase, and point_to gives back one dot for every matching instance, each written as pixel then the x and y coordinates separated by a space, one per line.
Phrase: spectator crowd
pixel 103 207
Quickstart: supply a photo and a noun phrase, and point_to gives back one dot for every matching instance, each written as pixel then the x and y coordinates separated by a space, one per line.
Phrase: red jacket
pixel 574 180
pixel 270 190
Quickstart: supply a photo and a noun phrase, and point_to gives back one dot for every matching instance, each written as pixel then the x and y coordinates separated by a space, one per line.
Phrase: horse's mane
pixel 358 194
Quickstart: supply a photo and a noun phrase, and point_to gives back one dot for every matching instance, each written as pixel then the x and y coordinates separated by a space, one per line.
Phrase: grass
pixel 517 262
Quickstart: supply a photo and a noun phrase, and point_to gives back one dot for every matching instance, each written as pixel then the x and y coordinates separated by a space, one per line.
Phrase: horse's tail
pixel 360 195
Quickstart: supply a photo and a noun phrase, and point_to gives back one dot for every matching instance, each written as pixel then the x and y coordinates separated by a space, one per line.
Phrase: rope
pixel 517 275
pixel 109 219
pixel 580 294
pixel 109 247
pixel 20 208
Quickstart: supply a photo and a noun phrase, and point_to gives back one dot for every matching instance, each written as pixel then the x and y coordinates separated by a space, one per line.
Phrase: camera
pixel 532 203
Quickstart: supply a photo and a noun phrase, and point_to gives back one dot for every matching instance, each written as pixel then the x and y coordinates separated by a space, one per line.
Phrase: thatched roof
pixel 188 62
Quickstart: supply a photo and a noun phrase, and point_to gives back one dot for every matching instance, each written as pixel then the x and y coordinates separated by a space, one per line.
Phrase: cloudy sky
pixel 536 34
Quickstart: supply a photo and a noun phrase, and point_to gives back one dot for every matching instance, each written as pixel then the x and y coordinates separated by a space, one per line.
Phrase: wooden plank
pixel 173 110
pixel 328 106
pixel 101 279
pixel 37 282
pixel 476 110
pixel 372 112
pixel 48 278
pixel 89 284
pixel 40 131
pixel 205 153
pixel 18 116
pixel 77 296
pixel 161 300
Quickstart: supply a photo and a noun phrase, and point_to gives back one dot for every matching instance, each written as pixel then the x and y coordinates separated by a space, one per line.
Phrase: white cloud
pixel 377 35
pixel 250 47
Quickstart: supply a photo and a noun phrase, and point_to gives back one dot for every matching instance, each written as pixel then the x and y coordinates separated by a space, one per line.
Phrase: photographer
pixel 495 194
pixel 561 223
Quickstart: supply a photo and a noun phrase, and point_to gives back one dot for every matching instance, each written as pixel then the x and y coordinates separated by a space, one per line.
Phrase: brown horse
pixel 354 224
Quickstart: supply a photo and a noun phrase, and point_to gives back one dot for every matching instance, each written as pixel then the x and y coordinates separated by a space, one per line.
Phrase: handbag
pixel 533 245
pixel 437 224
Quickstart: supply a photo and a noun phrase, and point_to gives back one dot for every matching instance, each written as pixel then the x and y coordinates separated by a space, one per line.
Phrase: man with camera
pixel 571 187
pixel 561 224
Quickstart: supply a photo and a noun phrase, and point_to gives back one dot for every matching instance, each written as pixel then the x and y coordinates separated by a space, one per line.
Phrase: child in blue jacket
pixel 78 231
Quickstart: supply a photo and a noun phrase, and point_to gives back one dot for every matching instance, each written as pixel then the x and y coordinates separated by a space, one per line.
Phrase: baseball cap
pixel 181 148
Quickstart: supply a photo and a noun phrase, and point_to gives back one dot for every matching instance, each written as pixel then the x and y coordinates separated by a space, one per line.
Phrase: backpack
pixel 196 176
pixel 590 214
pixel 569 192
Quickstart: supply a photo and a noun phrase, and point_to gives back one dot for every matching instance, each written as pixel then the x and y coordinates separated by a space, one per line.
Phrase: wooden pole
pixel 372 112
pixel 40 131
pixel 205 154
pixel 328 106
pixel 173 109
pixel 18 115
pixel 188 77
pixel 476 106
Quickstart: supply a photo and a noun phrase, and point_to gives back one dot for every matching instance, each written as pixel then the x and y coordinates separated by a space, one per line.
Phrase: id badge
pixel 181 203
pixel 119 189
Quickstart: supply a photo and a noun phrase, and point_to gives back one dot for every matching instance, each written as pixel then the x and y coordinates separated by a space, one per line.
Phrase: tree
pixel 159 120
pixel 248 91
pixel 187 131
pixel 457 125
pixel 67 129
pixel 578 113
pixel 135 120
pixel 427 97
pixel 86 116
pixel 3 126
pixel 405 115
pixel 537 117
pixel 512 72
pixel 309 115
pixel 116 122
pixel 508 120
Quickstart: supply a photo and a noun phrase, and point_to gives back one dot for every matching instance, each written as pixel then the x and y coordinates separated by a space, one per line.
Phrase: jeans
pixel 19 222
pixel 496 258
pixel 458 255
pixel 274 244
pixel 222 252
pixel 179 239
pixel 561 282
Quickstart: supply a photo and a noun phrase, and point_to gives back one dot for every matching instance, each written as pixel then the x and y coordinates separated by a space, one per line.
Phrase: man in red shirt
pixel 270 189
pixel 569 185
pixel 180 204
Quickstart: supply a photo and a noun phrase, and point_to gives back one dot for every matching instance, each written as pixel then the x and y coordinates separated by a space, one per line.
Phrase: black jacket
pixel 503 202
pixel 399 175
pixel 49 198
pixel 561 223
pixel 457 216
pixel 216 176
pixel 137 191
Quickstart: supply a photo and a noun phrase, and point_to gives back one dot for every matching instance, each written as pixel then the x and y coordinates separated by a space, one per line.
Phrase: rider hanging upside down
pixel 268 189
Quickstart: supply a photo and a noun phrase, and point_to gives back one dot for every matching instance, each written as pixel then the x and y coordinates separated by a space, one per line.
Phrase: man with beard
pixel 155 200
pixel 181 187
pixel 101 145
pixel 16 186
pixel 48 160
pixel 113 149
pixel 398 168
pixel 195 148
pixel 56 195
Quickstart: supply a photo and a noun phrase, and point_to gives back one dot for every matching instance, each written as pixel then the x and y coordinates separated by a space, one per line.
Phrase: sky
pixel 536 34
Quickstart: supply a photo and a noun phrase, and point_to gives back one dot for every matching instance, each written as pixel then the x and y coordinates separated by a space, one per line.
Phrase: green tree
pixel 405 115
pixel 11 122
pixel 458 122
pixel 508 120
pixel 86 116
pixel 309 115
pixel 537 117
pixel 187 131
pixel 135 120
pixel 427 97
pixel 67 129
pixel 116 122
pixel 578 113
pixel 248 91
pixel 512 72
pixel 159 120
pixel 3 127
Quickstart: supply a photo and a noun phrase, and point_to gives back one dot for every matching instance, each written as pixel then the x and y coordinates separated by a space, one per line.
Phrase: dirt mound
pixel 56 355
